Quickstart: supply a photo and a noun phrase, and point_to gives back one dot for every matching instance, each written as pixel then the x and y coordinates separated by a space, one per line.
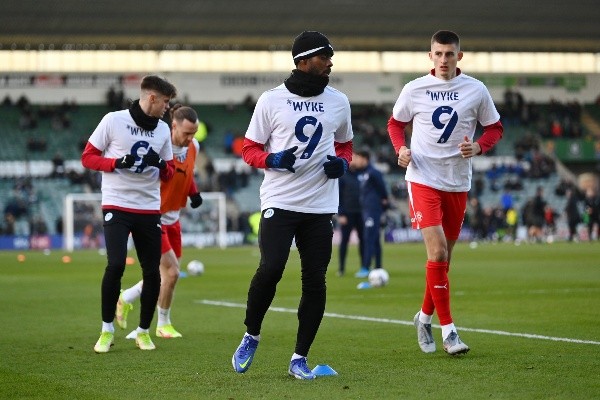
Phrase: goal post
pixel 82 221
pixel 85 207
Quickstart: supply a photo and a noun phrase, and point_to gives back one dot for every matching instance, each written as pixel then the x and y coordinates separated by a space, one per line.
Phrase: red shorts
pixel 171 239
pixel 433 207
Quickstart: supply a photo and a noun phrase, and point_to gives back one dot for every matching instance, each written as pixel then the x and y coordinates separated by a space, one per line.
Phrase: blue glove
pixel 335 167
pixel 153 159
pixel 283 159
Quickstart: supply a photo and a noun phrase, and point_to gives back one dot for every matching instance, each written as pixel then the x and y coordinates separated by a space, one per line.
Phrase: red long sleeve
pixel 254 154
pixel 344 150
pixel 396 133
pixel 92 158
pixel 193 188
pixel 167 172
pixel 491 135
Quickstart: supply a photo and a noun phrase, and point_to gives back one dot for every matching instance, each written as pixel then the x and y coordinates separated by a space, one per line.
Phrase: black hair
pixel 158 84
pixel 445 37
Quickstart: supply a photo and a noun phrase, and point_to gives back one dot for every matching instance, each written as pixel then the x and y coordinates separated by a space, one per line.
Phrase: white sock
pixel 140 330
pixel 164 316
pixel 108 327
pixel 296 356
pixel 257 338
pixel 424 318
pixel 133 293
pixel 446 329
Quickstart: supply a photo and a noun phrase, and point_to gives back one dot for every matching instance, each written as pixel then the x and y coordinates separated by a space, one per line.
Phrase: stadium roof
pixel 503 25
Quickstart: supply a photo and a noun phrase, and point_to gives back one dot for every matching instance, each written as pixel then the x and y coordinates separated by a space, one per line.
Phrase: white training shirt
pixel 443 113
pixel 282 120
pixel 136 188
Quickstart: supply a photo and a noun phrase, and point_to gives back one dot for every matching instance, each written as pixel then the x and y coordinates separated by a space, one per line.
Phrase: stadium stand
pixel 226 122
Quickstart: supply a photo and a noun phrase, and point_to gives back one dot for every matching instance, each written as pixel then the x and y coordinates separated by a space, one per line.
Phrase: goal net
pixel 200 227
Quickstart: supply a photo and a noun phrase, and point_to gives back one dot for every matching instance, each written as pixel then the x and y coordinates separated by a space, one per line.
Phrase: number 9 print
pixel 449 127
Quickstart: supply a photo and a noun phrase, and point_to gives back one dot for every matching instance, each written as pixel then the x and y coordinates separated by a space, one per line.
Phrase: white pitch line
pixel 400 322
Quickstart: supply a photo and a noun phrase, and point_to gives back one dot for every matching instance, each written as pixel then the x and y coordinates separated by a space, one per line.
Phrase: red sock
pixel 428 307
pixel 439 288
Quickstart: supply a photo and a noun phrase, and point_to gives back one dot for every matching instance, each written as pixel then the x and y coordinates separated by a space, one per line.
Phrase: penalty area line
pixel 400 322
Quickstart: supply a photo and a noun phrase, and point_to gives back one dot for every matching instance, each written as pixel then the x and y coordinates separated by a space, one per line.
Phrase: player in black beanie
pixel 301 120
pixel 309 44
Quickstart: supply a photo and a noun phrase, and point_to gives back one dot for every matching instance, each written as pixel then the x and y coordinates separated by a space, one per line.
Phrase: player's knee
pixel 269 273
pixel 115 269
pixel 438 254
pixel 314 283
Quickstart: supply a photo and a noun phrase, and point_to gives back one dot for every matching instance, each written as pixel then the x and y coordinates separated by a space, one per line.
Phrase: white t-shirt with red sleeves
pixel 282 120
pixel 136 188
pixel 443 113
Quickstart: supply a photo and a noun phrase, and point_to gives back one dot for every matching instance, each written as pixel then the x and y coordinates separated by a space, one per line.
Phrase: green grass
pixel 51 319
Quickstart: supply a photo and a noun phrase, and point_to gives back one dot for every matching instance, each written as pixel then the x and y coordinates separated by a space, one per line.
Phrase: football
pixel 378 277
pixel 195 268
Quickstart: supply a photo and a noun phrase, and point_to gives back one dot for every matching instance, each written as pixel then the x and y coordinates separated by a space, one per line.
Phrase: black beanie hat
pixel 309 44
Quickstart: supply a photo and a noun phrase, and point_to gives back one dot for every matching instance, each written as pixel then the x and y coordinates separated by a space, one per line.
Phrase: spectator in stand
pixel 16 213
pixel 58 166
pixel 572 213
pixel 507 200
pixel 493 175
pixel 537 216
pixel 592 211
pixel 475 218
pixel 512 220
pixel 549 221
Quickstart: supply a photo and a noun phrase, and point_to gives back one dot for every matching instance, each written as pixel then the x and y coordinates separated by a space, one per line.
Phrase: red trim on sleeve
pixel 167 172
pixel 397 133
pixel 254 154
pixel 344 150
pixel 92 158
pixel 193 188
pixel 491 135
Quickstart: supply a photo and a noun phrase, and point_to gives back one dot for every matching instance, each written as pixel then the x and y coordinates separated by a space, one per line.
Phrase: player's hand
pixel 404 157
pixel 196 200
pixel 126 161
pixel 153 159
pixel 335 167
pixel 469 149
pixel 283 159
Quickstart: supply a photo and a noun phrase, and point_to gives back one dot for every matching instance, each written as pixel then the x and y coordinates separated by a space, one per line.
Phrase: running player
pixel 301 133
pixel 133 150
pixel 444 107
pixel 174 194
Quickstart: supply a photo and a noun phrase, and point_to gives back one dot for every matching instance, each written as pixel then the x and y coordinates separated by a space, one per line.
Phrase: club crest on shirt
pixel 268 213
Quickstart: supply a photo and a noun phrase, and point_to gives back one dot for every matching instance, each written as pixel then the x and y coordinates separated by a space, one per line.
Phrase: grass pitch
pixel 529 313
